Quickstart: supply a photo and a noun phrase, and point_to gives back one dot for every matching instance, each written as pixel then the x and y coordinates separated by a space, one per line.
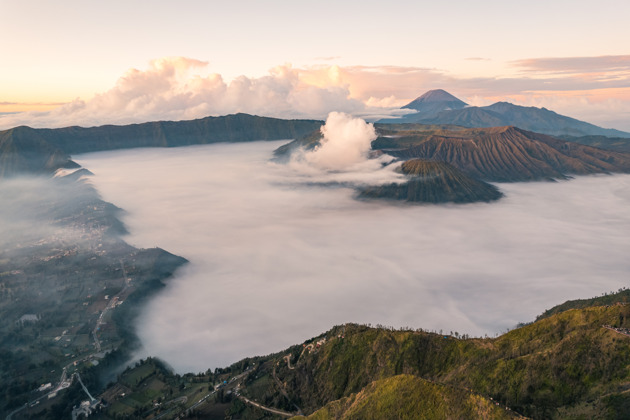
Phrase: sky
pixel 89 63
pixel 278 255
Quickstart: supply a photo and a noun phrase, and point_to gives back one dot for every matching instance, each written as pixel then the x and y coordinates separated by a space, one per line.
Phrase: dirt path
pixel 621 331
pixel 271 410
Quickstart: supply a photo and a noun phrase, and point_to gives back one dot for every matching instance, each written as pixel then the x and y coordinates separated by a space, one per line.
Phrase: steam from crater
pixel 343 155
pixel 346 142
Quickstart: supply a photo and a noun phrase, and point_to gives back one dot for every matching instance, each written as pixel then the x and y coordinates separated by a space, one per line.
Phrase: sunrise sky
pixel 88 63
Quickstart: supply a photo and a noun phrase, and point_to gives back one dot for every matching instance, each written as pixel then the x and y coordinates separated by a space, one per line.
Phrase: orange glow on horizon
pixel 11 107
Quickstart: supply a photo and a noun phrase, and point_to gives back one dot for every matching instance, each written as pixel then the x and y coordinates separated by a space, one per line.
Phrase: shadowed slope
pixel 42 151
pixel 498 154
pixel 23 150
pixel 229 128
pixel 504 153
pixel 434 182
pixel 617 144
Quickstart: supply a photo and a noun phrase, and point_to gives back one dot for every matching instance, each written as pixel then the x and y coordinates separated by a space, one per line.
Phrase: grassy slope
pixel 566 365
pixel 622 296
pixel 556 362
pixel 407 396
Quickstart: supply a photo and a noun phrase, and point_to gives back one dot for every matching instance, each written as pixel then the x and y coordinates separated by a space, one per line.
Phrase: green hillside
pixel 410 397
pixel 621 296
pixel 572 364
pixel 567 363
pixel 70 290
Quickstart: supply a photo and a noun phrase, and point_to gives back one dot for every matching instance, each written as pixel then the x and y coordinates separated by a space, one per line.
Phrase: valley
pixel 249 210
pixel 97 312
pixel 69 288
pixel 568 365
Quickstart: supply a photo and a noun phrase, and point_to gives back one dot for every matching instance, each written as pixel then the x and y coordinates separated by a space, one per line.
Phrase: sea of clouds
pixel 282 252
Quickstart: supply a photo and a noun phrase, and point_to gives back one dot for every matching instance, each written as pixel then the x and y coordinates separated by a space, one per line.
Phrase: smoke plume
pixel 342 155
pixel 346 142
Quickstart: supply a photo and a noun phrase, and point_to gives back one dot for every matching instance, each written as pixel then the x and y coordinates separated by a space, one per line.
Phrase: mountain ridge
pixel 571 364
pixel 434 101
pixel 229 128
pixel 503 113
pixel 23 150
pixel 492 154
pixel 501 154
pixel 44 150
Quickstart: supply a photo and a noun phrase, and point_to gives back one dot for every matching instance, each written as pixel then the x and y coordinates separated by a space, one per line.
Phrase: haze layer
pixel 275 261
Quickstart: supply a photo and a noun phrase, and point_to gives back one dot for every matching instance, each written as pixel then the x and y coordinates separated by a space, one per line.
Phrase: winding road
pixel 262 407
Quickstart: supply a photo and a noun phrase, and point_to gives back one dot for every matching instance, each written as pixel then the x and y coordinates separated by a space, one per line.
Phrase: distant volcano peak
pixel 438 107
pixel 436 96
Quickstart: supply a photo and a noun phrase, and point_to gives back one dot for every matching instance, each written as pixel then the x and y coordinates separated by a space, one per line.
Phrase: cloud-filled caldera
pixel 275 261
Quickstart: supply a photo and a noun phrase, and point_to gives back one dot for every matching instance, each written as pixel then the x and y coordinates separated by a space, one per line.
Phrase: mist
pixel 31 207
pixel 276 259
pixel 44 237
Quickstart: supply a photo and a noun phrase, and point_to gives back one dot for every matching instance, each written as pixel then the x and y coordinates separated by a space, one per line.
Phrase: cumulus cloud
pixel 373 83
pixel 179 88
pixel 597 97
pixel 173 89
